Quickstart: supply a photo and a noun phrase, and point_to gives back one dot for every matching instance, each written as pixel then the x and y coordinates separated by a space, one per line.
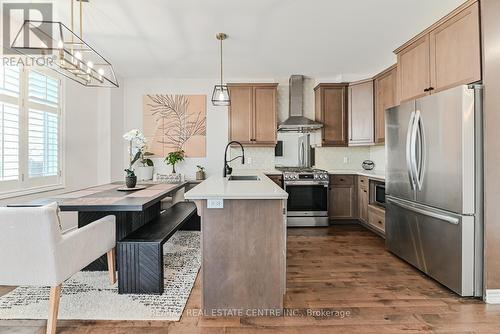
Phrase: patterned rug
pixel 89 295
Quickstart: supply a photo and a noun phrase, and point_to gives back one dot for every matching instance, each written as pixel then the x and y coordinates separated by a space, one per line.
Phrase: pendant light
pixel 68 53
pixel 220 96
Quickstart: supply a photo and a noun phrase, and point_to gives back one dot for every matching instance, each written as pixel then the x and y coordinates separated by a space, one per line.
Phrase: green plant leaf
pixel 136 157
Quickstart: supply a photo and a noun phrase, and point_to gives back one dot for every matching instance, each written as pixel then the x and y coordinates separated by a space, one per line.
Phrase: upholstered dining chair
pixel 34 252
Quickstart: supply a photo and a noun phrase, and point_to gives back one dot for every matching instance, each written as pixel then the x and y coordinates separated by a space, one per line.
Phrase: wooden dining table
pixel 132 209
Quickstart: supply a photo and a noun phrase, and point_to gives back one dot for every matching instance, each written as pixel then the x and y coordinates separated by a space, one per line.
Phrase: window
pixel 30 131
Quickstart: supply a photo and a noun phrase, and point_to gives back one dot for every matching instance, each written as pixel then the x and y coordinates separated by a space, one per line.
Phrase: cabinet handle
pixel 341 179
pixel 426 90
pixel 380 222
pixel 362 181
pixel 431 88
pixel 364 190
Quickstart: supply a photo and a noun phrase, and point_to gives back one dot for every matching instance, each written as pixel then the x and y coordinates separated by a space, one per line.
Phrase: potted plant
pixel 200 174
pixel 137 142
pixel 173 158
pixel 130 179
pixel 146 168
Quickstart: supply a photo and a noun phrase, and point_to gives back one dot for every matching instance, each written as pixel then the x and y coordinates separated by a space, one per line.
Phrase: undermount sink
pixel 244 178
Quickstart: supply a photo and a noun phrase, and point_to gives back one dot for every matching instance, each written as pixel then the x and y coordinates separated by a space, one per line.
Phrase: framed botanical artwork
pixel 174 123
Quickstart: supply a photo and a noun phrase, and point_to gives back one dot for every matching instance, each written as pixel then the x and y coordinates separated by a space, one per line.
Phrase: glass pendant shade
pixel 64 52
pixel 220 96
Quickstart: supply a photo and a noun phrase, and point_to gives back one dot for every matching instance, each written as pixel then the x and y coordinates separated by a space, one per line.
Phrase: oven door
pixel 306 199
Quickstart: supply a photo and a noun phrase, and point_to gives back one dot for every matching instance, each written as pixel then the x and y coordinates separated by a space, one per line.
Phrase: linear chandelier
pixel 68 54
pixel 220 95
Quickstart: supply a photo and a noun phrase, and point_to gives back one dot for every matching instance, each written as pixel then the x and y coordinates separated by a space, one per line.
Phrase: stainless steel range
pixel 307 190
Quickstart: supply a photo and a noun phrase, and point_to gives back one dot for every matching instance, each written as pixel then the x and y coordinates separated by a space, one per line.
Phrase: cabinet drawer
pixel 278 179
pixel 376 218
pixel 363 182
pixel 342 180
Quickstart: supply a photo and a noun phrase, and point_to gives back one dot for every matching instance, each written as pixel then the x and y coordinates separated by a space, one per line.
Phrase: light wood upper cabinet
pixel 455 50
pixel 447 54
pixel 240 114
pixel 331 110
pixel 361 113
pixel 252 114
pixel 265 114
pixel 414 70
pixel 385 87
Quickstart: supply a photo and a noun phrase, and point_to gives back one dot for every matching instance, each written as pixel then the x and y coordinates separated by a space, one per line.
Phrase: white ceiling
pixel 267 38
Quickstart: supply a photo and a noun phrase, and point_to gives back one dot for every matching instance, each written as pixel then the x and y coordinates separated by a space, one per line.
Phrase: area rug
pixel 90 296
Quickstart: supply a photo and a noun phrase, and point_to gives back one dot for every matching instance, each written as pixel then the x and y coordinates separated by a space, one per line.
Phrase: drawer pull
pixel 341 179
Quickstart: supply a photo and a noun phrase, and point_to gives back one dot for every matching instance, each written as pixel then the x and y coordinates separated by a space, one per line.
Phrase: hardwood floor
pixel 343 269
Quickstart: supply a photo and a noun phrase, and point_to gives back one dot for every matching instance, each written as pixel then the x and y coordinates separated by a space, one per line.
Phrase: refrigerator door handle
pixel 448 219
pixel 409 151
pixel 420 141
pixel 301 154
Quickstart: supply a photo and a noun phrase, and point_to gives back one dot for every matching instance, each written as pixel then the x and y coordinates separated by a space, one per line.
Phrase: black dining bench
pixel 141 252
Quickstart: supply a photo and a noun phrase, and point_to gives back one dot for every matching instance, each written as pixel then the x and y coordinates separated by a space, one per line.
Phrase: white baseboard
pixel 492 296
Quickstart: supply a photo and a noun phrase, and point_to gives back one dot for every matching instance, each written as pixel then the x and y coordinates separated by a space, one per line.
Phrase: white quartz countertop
pixel 217 186
pixel 368 173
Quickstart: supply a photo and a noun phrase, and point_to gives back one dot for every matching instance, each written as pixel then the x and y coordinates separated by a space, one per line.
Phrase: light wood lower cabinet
pixel 342 197
pixel 376 218
pixel 278 179
pixel 252 114
pixel 363 198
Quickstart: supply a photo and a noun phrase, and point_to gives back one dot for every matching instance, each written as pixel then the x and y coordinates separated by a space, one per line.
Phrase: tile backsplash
pixel 255 158
pixel 341 157
pixel 348 158
pixel 377 155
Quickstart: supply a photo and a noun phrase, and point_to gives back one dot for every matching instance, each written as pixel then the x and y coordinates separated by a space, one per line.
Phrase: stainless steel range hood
pixel 296 122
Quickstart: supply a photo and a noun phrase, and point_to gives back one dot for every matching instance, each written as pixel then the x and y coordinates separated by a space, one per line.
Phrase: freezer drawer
pixel 439 243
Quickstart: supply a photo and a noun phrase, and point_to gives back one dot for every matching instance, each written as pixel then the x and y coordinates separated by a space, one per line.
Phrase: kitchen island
pixel 243 241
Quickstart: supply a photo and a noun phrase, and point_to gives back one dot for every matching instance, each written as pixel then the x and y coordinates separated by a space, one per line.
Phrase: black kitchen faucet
pixel 228 170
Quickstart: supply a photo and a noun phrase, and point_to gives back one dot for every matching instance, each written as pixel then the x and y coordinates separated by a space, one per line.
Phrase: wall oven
pixel 307 203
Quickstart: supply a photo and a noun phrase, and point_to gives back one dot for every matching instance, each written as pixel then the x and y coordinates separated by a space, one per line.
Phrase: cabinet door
pixel 385 97
pixel 456 51
pixel 414 70
pixel 376 218
pixel 334 116
pixel 264 115
pixel 361 113
pixel 363 204
pixel 240 114
pixel 278 179
pixel 342 202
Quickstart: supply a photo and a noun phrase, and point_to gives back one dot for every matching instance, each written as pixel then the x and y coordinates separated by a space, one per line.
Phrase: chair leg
pixel 112 266
pixel 55 294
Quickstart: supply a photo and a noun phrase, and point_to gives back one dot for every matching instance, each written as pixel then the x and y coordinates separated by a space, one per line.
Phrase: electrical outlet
pixel 216 203
pixel 248 161
pixel 346 160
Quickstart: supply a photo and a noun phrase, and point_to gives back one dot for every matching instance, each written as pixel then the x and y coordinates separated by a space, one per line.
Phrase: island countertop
pixel 217 186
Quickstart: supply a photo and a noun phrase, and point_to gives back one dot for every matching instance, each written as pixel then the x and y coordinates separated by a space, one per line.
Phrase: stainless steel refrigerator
pixel 434 186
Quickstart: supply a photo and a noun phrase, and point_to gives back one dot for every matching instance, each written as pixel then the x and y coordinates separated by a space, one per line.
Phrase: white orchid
pixel 131 134
pixel 137 144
